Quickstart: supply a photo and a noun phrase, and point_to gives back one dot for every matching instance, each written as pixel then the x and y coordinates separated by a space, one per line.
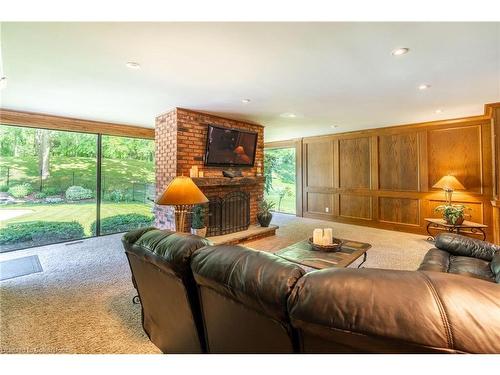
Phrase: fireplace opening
pixel 229 213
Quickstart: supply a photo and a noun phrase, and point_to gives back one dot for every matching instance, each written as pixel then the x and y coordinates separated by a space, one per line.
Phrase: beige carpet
pixel 82 302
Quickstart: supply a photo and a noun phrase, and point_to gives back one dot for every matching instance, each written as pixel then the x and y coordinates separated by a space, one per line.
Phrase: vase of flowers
pixel 454 214
pixel 198 221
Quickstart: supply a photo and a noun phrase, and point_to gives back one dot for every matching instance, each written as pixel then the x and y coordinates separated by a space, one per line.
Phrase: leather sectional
pixel 198 298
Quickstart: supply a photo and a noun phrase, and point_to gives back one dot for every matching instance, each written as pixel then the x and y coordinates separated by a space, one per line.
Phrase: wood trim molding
pixel 45 121
pixel 291 143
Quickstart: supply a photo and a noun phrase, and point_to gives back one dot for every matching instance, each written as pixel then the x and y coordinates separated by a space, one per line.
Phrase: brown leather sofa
pixel 161 273
pixel 388 311
pixel 246 301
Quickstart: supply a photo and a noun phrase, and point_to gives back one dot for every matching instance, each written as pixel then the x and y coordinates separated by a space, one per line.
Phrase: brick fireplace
pixel 180 137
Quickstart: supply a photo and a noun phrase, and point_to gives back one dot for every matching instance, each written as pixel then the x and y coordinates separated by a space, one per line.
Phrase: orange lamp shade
pixel 449 183
pixel 182 191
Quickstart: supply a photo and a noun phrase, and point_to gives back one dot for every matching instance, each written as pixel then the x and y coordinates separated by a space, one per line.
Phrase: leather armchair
pixel 159 261
pixel 464 256
pixel 243 296
pixel 388 311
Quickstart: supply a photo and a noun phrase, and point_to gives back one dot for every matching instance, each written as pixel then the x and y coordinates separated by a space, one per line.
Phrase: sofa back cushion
pixel 244 297
pixel 466 246
pixel 160 265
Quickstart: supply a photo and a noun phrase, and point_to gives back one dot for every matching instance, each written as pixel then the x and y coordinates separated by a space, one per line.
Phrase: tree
pixel 43 137
pixel 270 163
pixel 282 193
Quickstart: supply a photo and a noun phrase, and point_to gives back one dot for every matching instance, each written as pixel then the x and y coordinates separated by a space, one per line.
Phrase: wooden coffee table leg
pixel 364 260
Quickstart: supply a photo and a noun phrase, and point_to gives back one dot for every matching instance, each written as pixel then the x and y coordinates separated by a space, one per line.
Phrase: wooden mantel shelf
pixel 226 181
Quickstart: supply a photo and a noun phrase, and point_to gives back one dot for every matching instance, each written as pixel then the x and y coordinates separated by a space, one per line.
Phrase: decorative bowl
pixel 335 246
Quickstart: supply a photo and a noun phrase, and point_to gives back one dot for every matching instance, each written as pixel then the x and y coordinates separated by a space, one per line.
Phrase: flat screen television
pixel 230 147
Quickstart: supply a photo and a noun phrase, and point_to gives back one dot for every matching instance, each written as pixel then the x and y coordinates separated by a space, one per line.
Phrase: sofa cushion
pixel 442 261
pixel 259 280
pixel 435 260
pixel 466 246
pixel 495 267
pixel 472 267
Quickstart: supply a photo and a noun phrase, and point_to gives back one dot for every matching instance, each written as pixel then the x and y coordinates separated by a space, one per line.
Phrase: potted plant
pixel 264 215
pixel 198 221
pixel 452 213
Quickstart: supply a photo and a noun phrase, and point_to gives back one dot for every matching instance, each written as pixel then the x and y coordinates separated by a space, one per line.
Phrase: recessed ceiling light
pixel 133 65
pixel 3 82
pixel 246 101
pixel 400 51
pixel 439 110
pixel 288 115
pixel 334 126
pixel 424 86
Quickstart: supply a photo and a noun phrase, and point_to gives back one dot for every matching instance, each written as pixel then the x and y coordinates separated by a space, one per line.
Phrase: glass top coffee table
pixel 302 253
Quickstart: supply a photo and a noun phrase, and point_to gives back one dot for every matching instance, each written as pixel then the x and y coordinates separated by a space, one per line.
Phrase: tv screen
pixel 229 147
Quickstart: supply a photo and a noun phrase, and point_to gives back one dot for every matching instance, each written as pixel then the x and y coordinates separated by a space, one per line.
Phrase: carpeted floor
pixel 82 302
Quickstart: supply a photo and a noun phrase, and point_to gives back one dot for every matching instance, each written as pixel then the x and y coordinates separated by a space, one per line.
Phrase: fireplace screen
pixel 228 214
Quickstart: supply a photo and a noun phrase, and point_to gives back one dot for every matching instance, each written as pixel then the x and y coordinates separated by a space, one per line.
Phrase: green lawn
pixel 288 202
pixel 117 173
pixel 84 213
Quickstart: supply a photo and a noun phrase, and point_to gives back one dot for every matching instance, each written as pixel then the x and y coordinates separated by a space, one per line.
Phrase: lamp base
pixel 181 211
pixel 448 193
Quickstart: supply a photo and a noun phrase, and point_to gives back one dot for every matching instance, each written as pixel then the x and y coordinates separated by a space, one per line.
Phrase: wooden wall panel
pixel 319 164
pixel 398 162
pixel 383 177
pixel 354 163
pixel 399 210
pixel 318 203
pixel 355 206
pixel 456 151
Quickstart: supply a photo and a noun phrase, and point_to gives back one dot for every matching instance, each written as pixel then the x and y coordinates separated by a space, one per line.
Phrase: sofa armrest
pixel 466 246
pixel 420 309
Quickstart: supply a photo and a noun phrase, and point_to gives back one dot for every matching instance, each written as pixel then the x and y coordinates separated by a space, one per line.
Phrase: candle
pixel 328 234
pixel 201 174
pixel 318 236
pixel 195 170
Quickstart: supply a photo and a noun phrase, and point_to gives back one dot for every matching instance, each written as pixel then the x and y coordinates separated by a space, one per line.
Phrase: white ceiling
pixel 327 73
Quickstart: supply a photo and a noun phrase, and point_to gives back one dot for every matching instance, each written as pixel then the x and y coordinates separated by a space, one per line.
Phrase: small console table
pixel 467 228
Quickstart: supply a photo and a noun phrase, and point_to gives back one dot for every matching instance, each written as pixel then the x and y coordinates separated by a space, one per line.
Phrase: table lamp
pixel 182 193
pixel 448 183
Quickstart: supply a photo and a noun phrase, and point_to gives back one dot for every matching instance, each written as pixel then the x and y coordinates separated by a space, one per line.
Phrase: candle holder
pixel 336 245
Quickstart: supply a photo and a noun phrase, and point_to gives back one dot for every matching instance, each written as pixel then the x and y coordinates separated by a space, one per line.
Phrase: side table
pixel 467 228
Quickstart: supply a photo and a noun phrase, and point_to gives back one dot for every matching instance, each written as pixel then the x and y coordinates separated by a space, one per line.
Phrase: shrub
pixel 117 196
pixel 122 223
pixel 40 195
pixel 52 200
pixel 20 191
pixel 4 188
pixel 51 191
pixel 77 193
pixel 36 233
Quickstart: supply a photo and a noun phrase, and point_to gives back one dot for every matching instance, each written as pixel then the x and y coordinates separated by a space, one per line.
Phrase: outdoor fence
pixel 112 188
